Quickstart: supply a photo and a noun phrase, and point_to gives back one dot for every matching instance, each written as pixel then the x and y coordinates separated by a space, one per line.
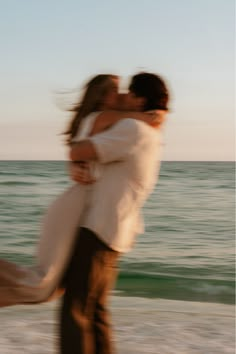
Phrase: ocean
pixel 175 292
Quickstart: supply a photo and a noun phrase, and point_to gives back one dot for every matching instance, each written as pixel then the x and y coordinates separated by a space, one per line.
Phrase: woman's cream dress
pixel 19 284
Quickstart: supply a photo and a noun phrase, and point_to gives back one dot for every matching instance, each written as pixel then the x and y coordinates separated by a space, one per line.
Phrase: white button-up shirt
pixel 130 154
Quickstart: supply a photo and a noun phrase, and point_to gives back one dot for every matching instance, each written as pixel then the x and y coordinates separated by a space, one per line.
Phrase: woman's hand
pixel 80 172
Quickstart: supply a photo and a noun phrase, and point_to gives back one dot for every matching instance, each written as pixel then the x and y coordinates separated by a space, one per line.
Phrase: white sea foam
pixel 142 326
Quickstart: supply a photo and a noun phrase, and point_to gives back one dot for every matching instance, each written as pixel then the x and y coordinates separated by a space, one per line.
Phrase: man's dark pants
pixel 84 322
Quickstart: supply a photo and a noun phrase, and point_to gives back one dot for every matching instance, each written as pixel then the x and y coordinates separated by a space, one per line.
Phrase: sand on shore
pixel 141 326
pixel 173 327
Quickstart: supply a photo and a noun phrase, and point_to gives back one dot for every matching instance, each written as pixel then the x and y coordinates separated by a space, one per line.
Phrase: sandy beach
pixel 141 327
pixel 174 327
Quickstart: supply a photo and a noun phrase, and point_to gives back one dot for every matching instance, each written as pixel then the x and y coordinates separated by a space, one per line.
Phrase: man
pixel 129 152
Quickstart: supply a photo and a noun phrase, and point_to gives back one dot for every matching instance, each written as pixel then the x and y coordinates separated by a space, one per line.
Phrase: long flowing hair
pixel 92 100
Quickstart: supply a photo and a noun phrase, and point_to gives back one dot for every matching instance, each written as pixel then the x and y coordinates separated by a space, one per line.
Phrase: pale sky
pixel 49 46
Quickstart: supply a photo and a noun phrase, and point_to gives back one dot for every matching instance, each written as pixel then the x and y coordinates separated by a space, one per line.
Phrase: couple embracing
pixel 114 147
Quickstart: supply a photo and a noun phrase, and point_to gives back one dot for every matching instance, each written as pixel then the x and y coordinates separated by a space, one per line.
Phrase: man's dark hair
pixel 152 88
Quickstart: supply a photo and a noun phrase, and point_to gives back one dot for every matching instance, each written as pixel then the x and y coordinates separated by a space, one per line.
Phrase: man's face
pixel 121 104
pixel 133 102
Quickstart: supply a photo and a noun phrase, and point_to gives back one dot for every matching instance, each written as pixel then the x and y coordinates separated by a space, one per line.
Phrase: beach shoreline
pixel 141 326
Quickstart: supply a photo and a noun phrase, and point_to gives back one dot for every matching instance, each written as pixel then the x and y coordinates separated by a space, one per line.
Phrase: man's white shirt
pixel 130 154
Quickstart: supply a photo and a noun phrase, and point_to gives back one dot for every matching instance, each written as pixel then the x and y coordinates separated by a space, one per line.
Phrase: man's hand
pixel 157 118
pixel 80 172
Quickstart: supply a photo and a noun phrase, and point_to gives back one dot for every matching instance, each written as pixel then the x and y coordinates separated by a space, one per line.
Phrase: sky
pixel 53 46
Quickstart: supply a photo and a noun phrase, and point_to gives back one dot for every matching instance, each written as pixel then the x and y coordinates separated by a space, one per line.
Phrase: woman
pixel 39 283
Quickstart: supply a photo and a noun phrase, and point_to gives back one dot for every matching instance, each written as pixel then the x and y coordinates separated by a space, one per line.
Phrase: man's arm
pixel 85 149
pixel 107 119
pixel 111 145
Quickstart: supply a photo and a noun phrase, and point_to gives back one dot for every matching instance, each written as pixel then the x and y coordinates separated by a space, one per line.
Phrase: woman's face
pixel 122 102
pixel 111 99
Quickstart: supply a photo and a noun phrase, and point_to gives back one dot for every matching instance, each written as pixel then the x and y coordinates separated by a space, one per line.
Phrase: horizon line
pixel 64 160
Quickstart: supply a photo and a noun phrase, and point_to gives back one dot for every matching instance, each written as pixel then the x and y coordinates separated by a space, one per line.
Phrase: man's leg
pixel 87 281
pixel 76 331
pixel 102 324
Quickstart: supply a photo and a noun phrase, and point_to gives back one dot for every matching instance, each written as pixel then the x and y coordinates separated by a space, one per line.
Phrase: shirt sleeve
pixel 116 143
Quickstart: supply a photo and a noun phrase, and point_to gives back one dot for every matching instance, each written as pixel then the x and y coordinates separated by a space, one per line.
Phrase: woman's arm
pixel 108 118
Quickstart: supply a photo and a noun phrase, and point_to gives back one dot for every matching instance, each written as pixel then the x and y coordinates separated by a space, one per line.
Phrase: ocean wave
pixel 17 183
pixel 176 287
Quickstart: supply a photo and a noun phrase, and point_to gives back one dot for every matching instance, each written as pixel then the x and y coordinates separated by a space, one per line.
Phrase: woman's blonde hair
pixel 92 100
